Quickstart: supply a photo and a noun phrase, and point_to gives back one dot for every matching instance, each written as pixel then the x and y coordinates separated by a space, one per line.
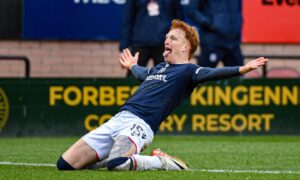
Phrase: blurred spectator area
pixel 10 18
pixel 100 58
pixel 277 67
pixel 58 59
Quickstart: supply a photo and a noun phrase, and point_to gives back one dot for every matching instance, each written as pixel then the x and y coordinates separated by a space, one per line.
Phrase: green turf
pixel 264 153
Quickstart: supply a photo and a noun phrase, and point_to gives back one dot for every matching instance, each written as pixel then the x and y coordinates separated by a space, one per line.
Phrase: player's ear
pixel 186 47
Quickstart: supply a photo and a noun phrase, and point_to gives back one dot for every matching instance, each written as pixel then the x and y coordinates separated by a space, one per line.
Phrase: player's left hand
pixel 254 64
pixel 127 60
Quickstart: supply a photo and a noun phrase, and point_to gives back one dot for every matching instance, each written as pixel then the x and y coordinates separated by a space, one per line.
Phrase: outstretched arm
pixel 203 74
pixel 130 62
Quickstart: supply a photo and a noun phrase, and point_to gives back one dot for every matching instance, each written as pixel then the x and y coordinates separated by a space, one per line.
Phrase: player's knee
pixel 63 164
pixel 120 163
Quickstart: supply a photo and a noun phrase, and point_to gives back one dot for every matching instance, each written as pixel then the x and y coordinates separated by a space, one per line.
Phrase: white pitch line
pixel 193 170
pixel 246 171
pixel 26 164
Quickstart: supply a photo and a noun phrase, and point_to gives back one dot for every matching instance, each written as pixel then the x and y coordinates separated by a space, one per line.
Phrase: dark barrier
pixel 18 58
pixel 51 107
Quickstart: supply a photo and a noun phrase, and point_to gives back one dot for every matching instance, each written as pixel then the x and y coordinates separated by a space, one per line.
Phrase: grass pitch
pixel 210 157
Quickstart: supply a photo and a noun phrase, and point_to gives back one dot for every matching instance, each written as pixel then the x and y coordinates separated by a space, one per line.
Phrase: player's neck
pixel 179 61
pixel 182 62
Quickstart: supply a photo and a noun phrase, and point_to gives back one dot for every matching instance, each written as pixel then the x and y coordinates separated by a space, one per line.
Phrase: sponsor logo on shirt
pixel 159 77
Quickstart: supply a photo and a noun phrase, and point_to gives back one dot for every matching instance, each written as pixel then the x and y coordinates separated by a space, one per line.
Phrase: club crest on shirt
pixel 4 108
pixel 163 69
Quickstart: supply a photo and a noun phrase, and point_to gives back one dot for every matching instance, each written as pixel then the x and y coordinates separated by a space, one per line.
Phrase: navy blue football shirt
pixel 165 86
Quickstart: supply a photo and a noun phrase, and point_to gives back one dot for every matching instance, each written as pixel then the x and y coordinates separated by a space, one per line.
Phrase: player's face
pixel 174 45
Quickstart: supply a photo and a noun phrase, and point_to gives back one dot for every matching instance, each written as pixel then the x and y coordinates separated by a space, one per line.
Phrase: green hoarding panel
pixel 63 107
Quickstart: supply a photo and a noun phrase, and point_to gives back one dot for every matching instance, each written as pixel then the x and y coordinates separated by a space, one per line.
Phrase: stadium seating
pixel 283 73
pixel 253 74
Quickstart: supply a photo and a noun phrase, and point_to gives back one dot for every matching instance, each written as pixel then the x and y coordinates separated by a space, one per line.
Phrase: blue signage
pixel 72 19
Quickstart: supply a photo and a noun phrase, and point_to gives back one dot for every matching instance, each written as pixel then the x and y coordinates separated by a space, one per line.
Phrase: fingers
pixel 123 58
pixel 122 55
pixel 121 61
pixel 136 56
pixel 126 58
pixel 128 53
pixel 259 62
pixel 125 54
pixel 262 59
pixel 254 64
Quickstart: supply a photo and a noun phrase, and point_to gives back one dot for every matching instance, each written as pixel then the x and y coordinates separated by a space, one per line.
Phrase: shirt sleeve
pixel 203 74
pixel 139 72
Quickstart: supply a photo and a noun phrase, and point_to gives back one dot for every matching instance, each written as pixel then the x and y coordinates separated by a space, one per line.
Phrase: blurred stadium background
pixel 78 38
pixel 60 76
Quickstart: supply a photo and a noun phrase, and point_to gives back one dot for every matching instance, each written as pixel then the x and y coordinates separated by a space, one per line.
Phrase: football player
pixel 117 143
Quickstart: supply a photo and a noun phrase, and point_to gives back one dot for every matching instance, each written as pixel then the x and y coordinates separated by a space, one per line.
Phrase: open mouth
pixel 167 51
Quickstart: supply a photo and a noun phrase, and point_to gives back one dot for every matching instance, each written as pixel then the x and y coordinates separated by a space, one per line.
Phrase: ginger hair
pixel 191 34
